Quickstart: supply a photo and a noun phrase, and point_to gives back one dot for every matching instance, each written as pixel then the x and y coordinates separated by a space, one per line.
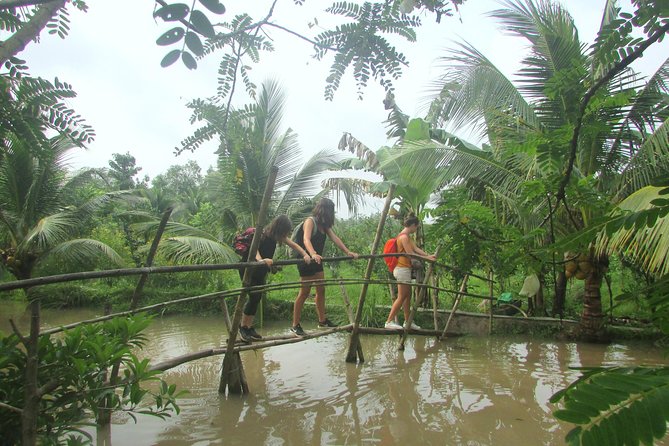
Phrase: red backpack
pixel 391 248
pixel 242 241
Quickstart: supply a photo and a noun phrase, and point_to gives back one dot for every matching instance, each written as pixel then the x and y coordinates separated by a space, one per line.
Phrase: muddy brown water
pixel 464 391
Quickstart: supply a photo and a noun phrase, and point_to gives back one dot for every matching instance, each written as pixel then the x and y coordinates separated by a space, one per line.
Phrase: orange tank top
pixel 402 262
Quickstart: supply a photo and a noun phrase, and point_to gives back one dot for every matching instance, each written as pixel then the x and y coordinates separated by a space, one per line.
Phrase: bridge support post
pixel 232 374
pixel 354 348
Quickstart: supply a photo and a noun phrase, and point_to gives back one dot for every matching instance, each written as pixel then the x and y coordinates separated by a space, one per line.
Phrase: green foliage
pixel 122 171
pixel 616 406
pixel 35 217
pixel 192 23
pixel 361 42
pixel 31 106
pixel 474 239
pixel 76 381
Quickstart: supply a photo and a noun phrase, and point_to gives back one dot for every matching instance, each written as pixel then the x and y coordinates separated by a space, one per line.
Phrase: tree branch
pixel 30 30
pixel 619 66
pixel 8 407
pixel 22 338
pixel 9 4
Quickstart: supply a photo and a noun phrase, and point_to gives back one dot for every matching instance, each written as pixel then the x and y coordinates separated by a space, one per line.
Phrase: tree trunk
pixel 560 293
pixel 30 30
pixel 30 412
pixel 592 319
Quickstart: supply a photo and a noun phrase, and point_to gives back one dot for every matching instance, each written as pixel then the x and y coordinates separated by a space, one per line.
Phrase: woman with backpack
pixel 402 272
pixel 311 237
pixel 278 231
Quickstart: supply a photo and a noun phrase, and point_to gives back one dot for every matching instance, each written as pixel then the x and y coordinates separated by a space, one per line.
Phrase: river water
pixel 463 391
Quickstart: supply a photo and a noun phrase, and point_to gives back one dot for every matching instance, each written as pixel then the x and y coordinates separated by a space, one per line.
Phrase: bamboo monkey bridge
pixel 232 375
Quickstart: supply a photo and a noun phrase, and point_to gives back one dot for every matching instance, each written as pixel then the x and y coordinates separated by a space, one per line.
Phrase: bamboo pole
pixel 354 348
pixel 149 258
pixel 121 272
pixel 347 302
pixel 232 375
pixel 456 303
pixel 407 323
pixel 435 303
pixel 31 397
pixel 492 299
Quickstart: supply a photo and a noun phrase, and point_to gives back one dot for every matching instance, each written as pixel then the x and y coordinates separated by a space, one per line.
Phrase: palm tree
pixel 531 124
pixel 36 221
pixel 251 141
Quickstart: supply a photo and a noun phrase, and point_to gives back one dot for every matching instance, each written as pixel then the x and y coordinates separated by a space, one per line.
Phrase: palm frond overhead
pixel 148 228
pixel 306 182
pixel 50 231
pixel 365 158
pixel 85 252
pixel 609 14
pixel 646 246
pixel 194 250
pixel 649 163
pixel 471 87
pixel 553 41
pixel 287 156
pixel 352 190
pixel 452 166
pixel 268 115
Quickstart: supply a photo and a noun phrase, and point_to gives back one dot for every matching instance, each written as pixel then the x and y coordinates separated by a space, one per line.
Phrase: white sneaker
pixel 393 326
pixel 413 326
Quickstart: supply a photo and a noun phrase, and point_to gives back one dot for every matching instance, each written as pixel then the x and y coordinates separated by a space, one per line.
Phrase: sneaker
pixel 327 323
pixel 393 326
pixel 244 334
pixel 298 330
pixel 253 333
pixel 413 326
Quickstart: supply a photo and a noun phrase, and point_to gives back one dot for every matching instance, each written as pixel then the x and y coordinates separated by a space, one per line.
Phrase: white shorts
pixel 402 274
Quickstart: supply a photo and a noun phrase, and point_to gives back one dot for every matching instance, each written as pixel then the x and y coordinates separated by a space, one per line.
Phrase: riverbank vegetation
pixel 565 202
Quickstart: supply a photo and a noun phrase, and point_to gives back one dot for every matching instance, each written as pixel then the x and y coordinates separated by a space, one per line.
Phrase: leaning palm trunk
pixel 560 293
pixel 31 398
pixel 592 319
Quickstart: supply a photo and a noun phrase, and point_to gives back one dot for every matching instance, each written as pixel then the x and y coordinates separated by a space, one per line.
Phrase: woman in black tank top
pixel 323 220
pixel 278 231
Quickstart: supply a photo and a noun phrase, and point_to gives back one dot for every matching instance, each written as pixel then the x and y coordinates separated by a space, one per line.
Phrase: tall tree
pixel 122 170
pixel 251 141
pixel 566 99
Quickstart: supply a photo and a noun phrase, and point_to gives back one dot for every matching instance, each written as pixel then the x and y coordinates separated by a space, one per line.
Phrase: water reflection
pixel 466 391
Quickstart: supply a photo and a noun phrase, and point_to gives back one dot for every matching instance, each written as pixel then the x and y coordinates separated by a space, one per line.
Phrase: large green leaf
pixel 645 244
pixel 636 413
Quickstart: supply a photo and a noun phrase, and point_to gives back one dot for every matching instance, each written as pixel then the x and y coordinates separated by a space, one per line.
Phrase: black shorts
pixel 310 269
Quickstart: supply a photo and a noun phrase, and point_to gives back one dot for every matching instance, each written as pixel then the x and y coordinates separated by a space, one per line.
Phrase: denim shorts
pixel 402 274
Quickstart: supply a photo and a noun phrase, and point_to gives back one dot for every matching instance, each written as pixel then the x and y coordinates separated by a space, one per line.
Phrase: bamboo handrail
pixel 120 272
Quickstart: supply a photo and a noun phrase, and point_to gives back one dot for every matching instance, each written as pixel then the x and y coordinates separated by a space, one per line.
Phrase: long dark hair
pixel 324 213
pixel 279 228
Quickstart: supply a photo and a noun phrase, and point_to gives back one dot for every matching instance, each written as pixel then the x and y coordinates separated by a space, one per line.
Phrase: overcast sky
pixel 113 63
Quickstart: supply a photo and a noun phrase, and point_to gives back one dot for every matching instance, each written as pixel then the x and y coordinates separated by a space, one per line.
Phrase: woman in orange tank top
pixel 402 272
